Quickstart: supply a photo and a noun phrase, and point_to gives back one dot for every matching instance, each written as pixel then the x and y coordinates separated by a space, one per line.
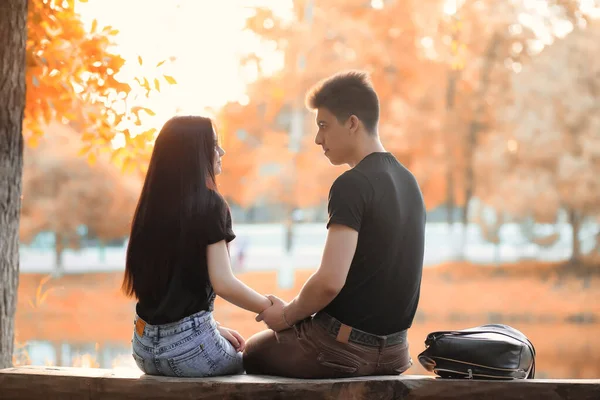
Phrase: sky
pixel 205 36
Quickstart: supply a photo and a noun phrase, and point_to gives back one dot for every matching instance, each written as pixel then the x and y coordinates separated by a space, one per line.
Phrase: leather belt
pixel 345 333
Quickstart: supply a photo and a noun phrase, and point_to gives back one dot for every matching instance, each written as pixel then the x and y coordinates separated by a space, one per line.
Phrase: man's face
pixel 333 137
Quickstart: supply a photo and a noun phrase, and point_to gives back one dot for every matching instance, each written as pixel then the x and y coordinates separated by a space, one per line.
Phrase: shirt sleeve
pixel 348 199
pixel 220 227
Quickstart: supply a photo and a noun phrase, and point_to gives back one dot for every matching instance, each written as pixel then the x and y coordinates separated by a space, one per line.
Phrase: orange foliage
pixel 73 75
pixel 440 80
pixel 61 191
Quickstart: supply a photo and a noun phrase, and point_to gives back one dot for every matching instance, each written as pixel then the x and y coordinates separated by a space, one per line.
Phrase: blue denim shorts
pixel 191 347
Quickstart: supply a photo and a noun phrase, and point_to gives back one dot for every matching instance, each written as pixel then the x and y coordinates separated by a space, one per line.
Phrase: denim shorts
pixel 191 347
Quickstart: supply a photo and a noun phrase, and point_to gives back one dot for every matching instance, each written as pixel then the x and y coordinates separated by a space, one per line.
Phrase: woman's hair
pixel 178 192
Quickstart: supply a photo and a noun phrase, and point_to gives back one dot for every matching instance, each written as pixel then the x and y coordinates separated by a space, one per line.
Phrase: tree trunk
pixel 474 128
pixel 450 202
pixel 58 255
pixel 13 35
pixel 596 248
pixel 575 221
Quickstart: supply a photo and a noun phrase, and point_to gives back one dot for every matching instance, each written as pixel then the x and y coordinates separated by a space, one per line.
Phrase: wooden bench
pixel 77 383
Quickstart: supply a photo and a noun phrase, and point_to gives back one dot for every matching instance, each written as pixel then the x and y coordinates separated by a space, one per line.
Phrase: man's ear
pixel 353 123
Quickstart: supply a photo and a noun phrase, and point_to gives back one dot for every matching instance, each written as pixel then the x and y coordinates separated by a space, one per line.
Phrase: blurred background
pixel 494 105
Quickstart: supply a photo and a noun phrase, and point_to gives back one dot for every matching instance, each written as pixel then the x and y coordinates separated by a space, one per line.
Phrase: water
pixel 265 244
pixel 73 354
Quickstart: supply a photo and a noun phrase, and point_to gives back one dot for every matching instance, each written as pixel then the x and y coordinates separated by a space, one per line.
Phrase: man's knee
pixel 255 353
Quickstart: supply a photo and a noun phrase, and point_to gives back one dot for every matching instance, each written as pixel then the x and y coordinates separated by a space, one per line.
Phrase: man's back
pixel 381 199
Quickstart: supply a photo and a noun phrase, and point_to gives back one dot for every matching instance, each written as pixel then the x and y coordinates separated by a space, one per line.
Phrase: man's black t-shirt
pixel 189 289
pixel 381 200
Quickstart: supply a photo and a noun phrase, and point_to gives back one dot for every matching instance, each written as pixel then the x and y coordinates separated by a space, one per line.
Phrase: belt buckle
pixel 140 324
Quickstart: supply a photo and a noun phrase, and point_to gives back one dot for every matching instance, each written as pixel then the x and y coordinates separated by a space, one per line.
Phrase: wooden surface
pixel 66 383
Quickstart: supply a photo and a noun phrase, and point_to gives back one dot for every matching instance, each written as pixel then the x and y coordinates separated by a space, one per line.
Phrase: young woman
pixel 178 259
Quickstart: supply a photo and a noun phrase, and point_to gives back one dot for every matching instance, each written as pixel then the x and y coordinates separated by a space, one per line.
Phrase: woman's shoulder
pixel 219 221
pixel 218 208
pixel 217 200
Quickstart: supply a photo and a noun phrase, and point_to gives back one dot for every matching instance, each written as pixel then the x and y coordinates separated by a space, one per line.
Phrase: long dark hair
pixel 176 195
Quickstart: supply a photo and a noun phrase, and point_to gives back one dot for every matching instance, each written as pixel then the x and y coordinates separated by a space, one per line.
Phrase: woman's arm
pixel 226 285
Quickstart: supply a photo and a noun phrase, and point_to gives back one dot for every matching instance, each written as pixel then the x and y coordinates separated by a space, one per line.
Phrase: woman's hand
pixel 233 337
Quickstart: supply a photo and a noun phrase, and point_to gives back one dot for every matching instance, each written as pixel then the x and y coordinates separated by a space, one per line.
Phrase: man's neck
pixel 369 145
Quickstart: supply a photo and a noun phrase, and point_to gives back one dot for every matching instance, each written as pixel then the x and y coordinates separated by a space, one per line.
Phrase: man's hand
pixel 273 316
pixel 233 337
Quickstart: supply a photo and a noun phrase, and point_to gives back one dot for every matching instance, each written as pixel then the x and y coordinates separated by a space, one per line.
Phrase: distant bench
pixel 47 383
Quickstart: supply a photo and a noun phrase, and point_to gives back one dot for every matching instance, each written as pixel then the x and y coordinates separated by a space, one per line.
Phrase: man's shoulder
pixel 352 178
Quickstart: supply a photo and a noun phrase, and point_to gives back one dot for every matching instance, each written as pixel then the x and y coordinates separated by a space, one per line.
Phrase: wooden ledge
pixel 65 383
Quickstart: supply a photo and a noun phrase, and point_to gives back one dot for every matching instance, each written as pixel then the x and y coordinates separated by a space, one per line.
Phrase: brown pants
pixel 309 351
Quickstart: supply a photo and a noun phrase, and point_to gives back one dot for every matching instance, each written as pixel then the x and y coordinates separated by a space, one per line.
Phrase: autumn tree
pixel 312 49
pixel 71 75
pixel 551 155
pixel 478 46
pixel 62 192
pixel 440 75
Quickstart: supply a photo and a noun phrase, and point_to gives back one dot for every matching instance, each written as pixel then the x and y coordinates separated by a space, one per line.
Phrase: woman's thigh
pixel 143 356
pixel 207 354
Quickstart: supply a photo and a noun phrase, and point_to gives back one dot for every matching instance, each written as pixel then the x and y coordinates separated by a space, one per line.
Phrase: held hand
pixel 233 337
pixel 273 316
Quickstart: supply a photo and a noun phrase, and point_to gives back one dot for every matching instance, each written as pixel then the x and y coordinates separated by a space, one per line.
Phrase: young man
pixel 352 315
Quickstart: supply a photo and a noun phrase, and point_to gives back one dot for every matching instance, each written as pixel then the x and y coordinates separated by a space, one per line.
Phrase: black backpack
pixel 484 352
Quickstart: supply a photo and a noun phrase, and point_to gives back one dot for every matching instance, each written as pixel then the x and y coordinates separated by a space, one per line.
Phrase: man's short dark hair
pixel 345 94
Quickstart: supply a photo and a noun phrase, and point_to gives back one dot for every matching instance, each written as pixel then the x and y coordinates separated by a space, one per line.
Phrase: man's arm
pixel 322 287
pixel 348 198
pixel 325 284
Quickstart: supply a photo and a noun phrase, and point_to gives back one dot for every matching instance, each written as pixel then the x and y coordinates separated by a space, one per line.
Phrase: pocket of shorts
pixel 224 347
pixel 193 363
pixel 139 362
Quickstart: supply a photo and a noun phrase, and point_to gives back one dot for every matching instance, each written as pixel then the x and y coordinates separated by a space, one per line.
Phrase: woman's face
pixel 219 152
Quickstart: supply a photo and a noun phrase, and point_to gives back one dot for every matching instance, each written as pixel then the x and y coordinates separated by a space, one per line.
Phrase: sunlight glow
pixel 202 41
pixel 377 4
pixel 451 6
pixel 118 141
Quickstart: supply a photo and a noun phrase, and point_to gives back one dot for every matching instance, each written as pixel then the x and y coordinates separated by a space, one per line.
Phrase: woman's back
pixel 178 259
pixel 187 289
